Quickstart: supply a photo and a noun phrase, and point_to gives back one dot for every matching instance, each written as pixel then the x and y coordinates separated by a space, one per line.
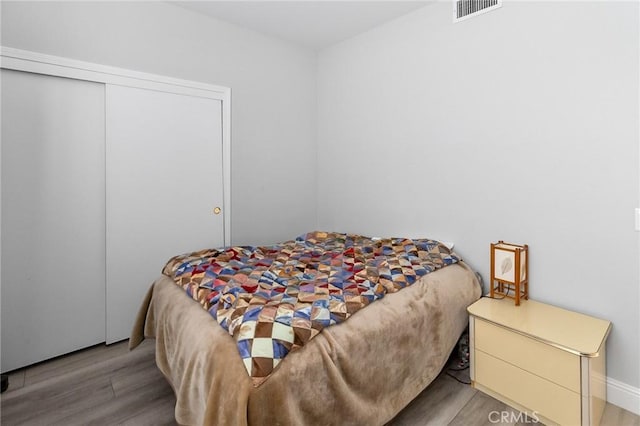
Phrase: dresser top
pixel 577 333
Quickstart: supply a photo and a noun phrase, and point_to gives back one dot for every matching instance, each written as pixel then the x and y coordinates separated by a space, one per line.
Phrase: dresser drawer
pixel 541 396
pixel 558 366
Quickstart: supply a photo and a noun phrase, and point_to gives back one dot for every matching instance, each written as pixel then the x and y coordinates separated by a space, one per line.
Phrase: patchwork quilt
pixel 274 299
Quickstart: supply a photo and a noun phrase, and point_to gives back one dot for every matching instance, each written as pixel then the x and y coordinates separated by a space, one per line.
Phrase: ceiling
pixel 312 24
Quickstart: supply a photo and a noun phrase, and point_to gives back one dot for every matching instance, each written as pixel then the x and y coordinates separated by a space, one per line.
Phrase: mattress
pixel 361 371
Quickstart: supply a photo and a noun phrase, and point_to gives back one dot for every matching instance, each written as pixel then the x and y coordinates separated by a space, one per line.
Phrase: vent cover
pixel 465 9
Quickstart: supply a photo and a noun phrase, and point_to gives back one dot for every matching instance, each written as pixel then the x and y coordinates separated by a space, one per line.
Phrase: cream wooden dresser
pixel 540 359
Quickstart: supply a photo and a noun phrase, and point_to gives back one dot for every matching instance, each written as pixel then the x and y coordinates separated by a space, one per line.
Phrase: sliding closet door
pixel 53 212
pixel 164 181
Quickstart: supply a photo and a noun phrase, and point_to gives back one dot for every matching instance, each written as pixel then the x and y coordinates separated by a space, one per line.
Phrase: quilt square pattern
pixel 274 299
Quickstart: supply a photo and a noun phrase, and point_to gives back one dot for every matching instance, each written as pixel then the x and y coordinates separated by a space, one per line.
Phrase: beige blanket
pixel 363 371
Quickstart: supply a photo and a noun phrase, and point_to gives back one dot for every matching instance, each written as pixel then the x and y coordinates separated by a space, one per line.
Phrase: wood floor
pixel 108 385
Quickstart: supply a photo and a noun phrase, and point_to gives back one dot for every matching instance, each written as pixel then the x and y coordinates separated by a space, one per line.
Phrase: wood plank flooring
pixel 109 385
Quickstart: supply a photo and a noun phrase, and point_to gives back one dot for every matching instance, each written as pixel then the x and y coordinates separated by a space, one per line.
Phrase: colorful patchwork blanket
pixel 274 299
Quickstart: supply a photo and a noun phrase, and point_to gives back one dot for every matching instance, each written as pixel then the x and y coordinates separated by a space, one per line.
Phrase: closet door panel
pixel 164 180
pixel 53 215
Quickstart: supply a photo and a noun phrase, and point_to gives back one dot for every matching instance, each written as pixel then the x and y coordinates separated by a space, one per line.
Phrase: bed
pixel 360 371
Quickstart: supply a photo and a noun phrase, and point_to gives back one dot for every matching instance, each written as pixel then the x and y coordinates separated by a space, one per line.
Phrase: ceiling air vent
pixel 465 9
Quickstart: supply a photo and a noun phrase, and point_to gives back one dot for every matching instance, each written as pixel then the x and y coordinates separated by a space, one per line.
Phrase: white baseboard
pixel 623 395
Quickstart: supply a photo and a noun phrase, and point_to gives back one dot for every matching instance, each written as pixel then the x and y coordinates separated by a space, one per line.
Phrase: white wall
pixel 521 125
pixel 272 82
